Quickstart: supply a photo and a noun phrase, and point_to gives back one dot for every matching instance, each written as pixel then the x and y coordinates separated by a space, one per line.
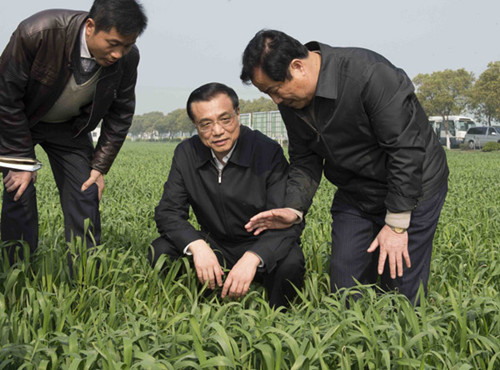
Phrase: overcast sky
pixel 192 42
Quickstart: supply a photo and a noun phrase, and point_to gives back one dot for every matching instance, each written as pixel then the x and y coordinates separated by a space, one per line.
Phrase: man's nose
pixel 117 53
pixel 217 129
pixel 276 99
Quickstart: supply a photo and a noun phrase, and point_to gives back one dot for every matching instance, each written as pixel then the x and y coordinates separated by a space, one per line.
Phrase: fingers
pixel 260 229
pixel 406 256
pixel 17 180
pixel 225 288
pixel 20 191
pixel 381 262
pixel 218 275
pixel 257 220
pixel 87 184
pixel 392 265
pixel 99 192
pixel 261 215
pixel 94 178
pixel 212 275
pixel 234 288
pixel 373 246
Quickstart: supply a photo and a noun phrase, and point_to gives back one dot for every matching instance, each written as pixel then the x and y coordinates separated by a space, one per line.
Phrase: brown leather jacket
pixel 34 69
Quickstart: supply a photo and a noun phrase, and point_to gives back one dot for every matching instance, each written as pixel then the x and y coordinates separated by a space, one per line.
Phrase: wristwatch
pixel 398 230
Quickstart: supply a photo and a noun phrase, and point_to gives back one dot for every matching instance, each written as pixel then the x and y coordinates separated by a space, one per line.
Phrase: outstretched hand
pixel 278 218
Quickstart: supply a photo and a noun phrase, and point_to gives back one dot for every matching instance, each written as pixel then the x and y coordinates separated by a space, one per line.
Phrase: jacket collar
pixel 327 85
pixel 241 154
pixel 75 25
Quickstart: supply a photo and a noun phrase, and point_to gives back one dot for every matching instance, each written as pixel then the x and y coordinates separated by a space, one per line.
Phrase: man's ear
pixel 89 27
pixel 297 66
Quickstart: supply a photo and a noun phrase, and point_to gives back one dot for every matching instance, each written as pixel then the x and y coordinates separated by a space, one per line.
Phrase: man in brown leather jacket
pixel 62 72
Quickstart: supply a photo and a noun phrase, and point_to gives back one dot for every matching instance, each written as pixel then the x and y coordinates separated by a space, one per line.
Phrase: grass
pixel 119 313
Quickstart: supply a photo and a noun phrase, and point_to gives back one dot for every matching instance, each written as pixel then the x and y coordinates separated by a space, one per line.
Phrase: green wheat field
pixel 119 313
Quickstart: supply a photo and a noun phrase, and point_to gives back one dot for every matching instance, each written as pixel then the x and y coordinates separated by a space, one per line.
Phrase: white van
pixel 457 127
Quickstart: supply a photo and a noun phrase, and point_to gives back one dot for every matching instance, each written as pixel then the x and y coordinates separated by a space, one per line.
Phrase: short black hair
pixel 272 51
pixel 209 91
pixel 126 16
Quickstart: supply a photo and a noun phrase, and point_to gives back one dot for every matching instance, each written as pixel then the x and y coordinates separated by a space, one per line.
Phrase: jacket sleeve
pixel 117 121
pixel 15 69
pixel 172 213
pixel 306 167
pixel 395 116
pixel 273 245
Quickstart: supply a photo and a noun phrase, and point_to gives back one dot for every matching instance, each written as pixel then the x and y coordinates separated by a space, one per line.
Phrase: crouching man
pixel 228 173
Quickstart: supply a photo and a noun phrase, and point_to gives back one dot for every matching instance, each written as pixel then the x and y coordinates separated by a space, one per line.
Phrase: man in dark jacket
pixel 350 113
pixel 63 72
pixel 227 173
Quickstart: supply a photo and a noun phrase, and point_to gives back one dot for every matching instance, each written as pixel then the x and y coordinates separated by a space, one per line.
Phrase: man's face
pixel 295 93
pixel 107 47
pixel 217 123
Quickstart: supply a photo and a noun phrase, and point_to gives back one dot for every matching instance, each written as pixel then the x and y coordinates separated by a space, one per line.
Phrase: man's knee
pixel 292 267
pixel 161 246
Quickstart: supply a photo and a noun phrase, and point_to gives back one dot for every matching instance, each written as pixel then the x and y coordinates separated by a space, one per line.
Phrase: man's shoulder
pixel 132 57
pixel 351 53
pixel 189 147
pixel 55 19
pixel 259 139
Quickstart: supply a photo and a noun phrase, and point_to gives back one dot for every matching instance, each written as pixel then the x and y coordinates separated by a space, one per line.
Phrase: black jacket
pixel 252 181
pixel 370 136
pixel 34 69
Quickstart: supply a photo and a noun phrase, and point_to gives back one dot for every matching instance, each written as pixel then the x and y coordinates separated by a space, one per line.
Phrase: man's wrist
pixel 194 246
pixel 398 230
pixel 254 258
pixel 300 215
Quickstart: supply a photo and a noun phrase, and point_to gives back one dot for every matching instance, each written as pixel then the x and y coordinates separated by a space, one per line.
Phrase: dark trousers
pixel 352 233
pixel 279 282
pixel 70 162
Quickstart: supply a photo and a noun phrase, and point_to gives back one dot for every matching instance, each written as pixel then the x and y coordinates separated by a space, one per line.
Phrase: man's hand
pixel 206 263
pixel 278 218
pixel 241 276
pixel 95 178
pixel 394 246
pixel 18 180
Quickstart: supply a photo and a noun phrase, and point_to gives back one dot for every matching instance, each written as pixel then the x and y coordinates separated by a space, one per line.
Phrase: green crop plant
pixel 116 312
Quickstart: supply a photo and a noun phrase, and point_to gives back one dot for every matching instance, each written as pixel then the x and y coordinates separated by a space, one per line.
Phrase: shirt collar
pixel 84 49
pixel 327 85
pixel 239 154
pixel 220 165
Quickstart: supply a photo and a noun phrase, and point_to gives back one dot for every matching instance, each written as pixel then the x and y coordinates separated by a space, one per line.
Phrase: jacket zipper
pixel 219 172
pixel 221 196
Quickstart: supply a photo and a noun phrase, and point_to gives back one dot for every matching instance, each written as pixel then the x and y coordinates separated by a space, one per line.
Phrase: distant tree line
pixel 456 92
pixel 178 121
pixel 442 93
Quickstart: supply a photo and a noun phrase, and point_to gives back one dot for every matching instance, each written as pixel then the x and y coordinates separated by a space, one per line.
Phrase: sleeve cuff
pixel 261 264
pixel 186 250
pixel 299 214
pixel 401 219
